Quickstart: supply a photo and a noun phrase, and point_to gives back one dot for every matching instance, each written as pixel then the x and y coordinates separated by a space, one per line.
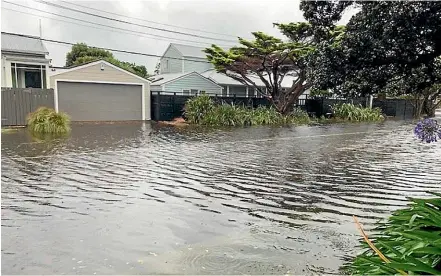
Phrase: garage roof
pixel 77 67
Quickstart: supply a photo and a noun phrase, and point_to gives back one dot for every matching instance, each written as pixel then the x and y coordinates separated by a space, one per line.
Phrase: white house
pixel 24 62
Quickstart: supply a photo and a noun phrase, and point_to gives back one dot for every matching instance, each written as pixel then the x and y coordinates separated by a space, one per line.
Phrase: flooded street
pixel 142 199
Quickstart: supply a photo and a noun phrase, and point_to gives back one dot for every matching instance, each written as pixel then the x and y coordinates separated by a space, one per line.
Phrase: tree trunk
pixel 418 108
pixel 430 106
pixel 289 98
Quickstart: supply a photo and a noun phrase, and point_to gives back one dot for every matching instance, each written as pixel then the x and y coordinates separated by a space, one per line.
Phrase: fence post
pixel 158 107
pixel 173 104
pixel 405 105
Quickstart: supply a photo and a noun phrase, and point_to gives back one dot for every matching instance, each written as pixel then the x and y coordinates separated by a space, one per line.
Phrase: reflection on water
pixel 138 198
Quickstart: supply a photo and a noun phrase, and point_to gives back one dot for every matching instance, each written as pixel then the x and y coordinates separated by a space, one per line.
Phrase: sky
pixel 221 21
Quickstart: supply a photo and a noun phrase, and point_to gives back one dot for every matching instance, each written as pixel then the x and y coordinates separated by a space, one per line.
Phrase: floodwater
pixel 142 199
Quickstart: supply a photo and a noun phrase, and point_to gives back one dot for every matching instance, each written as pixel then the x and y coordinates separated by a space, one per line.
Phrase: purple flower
pixel 428 130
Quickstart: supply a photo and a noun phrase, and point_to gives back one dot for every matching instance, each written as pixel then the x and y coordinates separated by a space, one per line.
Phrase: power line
pixel 131 23
pixel 102 48
pixel 103 25
pixel 141 19
pixel 135 33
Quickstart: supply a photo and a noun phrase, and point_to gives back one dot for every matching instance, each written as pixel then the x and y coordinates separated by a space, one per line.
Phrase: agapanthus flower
pixel 428 130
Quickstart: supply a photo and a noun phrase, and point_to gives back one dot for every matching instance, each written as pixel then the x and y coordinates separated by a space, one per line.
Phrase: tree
pixel 81 54
pixel 385 44
pixel 269 60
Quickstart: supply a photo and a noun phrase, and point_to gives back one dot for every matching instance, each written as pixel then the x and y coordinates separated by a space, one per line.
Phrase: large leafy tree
pixel 385 44
pixel 269 60
pixel 81 54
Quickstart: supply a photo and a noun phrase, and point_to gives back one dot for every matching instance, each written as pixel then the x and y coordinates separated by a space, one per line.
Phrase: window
pixel 166 65
pixel 194 92
pixel 201 92
pixel 186 92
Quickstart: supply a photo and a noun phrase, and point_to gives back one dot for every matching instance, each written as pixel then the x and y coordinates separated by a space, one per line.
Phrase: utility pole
pixel 39 20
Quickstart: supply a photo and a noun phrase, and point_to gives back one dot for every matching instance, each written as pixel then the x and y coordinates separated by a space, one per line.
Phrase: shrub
pixel 196 108
pixel 202 110
pixel 410 241
pixel 350 112
pixel 47 121
pixel 428 130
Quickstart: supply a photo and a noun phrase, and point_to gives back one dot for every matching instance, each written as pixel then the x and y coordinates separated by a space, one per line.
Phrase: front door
pixel 32 79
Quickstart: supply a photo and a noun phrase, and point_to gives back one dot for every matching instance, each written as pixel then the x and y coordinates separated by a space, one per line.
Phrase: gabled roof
pixel 225 80
pixel 22 44
pixel 85 65
pixel 166 78
pixel 189 51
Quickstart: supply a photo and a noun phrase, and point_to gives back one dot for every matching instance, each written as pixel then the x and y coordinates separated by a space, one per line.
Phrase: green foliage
pixel 203 111
pixel 9 130
pixel 46 121
pixel 320 93
pixel 350 112
pixel 385 44
pixel 196 108
pixel 268 60
pixel 410 239
pixel 81 54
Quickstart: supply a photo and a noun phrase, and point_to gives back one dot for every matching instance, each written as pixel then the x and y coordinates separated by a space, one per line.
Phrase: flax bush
pixel 410 240
pixel 202 110
pixel 47 121
pixel 357 113
pixel 196 108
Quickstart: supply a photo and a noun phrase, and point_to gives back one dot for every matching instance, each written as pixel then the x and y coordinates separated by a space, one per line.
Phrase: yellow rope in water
pixel 371 245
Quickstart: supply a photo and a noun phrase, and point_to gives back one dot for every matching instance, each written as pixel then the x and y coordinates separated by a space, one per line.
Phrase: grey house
pixel 185 70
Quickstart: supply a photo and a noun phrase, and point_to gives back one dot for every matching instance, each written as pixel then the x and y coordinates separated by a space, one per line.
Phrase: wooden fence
pixel 17 103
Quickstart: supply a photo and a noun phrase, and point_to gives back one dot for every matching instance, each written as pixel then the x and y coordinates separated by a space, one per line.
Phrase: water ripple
pixel 253 200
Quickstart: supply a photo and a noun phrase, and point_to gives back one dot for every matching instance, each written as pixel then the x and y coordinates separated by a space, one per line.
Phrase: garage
pixel 100 101
pixel 100 91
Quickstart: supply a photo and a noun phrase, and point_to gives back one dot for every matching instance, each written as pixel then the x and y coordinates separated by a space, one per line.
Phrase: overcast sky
pixel 227 17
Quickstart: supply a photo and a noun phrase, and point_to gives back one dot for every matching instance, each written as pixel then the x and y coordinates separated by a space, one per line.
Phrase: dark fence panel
pixel 17 103
pixel 399 108
pixel 168 105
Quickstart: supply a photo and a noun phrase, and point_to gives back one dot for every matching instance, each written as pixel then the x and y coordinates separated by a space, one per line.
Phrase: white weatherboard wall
pixel 192 64
pixel 109 74
pixel 193 81
pixel 171 61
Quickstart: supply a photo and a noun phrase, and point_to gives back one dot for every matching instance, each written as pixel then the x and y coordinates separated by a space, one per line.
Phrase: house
pixel 24 62
pixel 100 91
pixel 180 72
pixel 179 58
pixel 185 69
